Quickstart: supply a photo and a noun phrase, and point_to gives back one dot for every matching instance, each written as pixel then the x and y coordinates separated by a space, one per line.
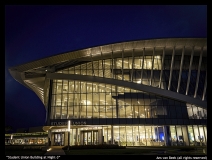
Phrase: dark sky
pixel 34 32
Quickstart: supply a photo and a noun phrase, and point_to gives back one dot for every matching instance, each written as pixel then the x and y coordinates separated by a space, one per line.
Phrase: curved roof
pixel 105 49
pixel 32 74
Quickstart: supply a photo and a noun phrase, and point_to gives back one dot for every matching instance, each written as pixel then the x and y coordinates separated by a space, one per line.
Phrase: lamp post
pixel 69 126
pixel 11 139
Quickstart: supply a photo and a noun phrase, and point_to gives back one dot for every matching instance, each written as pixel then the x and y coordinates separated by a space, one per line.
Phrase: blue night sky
pixel 34 32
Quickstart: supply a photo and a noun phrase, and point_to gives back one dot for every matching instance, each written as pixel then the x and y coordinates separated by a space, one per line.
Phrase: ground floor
pixel 128 135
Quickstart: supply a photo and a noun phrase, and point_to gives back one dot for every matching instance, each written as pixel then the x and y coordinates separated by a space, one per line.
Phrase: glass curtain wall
pixel 140 135
pixel 78 99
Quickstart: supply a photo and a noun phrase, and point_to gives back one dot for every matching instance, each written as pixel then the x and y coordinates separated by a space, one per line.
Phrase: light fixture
pixel 69 125
pixel 139 81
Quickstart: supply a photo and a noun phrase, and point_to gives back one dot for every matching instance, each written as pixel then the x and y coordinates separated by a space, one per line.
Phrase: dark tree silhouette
pixel 8 128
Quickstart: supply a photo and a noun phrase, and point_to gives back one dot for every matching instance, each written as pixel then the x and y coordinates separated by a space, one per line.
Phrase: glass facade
pixel 78 99
pixel 139 93
pixel 74 99
pixel 138 135
pixel 81 99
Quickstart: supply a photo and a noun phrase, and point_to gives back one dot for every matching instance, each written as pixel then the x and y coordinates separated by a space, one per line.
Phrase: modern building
pixel 137 93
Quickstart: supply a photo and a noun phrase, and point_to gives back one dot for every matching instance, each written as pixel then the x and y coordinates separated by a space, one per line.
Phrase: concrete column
pixel 72 137
pixel 66 139
pixel 198 73
pixel 181 67
pixel 171 68
pixel 100 136
pixel 161 72
pixel 142 65
pixel 76 142
pixel 112 139
pixel 69 129
pixel 189 72
pixel 103 138
pixel 165 135
pixel 152 66
pixel 148 139
pixel 81 138
pixel 185 135
pixel 205 87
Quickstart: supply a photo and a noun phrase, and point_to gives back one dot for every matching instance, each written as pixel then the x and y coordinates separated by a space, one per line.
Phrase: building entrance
pixel 90 137
pixel 59 139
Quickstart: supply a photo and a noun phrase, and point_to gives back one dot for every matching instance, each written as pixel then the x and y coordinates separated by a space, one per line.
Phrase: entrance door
pixel 90 137
pixel 59 139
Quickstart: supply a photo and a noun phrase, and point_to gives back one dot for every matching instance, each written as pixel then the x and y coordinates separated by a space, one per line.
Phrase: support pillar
pixel 112 139
pixel 69 126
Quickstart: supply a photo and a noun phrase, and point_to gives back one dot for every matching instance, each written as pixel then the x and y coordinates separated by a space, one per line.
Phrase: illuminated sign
pixel 66 123
pixel 58 123
pixel 79 123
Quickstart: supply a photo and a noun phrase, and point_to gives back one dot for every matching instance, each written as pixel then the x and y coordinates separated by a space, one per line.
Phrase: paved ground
pixel 55 150
pixel 173 150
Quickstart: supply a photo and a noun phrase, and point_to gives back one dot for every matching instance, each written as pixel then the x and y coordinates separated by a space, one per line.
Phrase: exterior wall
pixel 139 135
pixel 126 109
pixel 124 113
pixel 72 99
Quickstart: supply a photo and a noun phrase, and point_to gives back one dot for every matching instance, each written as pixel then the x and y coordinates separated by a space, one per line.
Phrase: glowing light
pixel 138 82
pixel 86 102
pixel 69 125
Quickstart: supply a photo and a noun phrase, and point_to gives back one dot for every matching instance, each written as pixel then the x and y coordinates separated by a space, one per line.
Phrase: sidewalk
pixel 55 150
